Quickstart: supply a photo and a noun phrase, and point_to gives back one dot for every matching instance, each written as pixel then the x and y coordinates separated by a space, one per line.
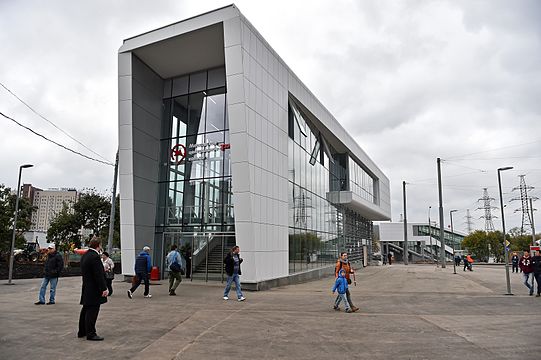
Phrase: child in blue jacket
pixel 341 285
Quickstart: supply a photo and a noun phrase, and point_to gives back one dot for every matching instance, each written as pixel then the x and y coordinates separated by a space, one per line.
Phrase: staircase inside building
pixel 215 262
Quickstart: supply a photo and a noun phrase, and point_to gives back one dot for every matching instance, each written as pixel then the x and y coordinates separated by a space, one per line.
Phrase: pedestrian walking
pixel 536 267
pixel 232 263
pixel 143 265
pixel 390 258
pixel 469 261
pixel 177 267
pixel 53 268
pixel 514 261
pixel 108 266
pixel 525 264
pixel 341 285
pixel 343 263
pixel 457 260
pixel 94 291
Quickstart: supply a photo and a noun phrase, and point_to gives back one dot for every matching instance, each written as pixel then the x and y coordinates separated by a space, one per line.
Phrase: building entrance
pixel 203 251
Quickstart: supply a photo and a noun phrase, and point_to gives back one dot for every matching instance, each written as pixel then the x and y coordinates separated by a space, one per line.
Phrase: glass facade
pixel 361 182
pixel 195 209
pixel 318 229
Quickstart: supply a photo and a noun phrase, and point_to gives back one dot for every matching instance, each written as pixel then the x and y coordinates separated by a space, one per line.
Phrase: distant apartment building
pixel 49 203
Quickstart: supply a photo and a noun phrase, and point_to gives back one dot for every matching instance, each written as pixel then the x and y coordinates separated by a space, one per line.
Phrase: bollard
pixel 155 273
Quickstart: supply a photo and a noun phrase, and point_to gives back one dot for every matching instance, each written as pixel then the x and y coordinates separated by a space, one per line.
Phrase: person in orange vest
pixel 469 261
pixel 343 263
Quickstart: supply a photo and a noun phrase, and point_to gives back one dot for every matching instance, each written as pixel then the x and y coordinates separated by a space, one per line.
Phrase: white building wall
pixel 258 128
pixel 140 113
pixel 395 232
pixel 258 82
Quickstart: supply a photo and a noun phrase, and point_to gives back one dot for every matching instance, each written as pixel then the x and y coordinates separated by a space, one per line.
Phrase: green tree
pixel 519 242
pixel 24 218
pixel 92 211
pixel 302 244
pixel 104 232
pixel 63 230
pixel 479 242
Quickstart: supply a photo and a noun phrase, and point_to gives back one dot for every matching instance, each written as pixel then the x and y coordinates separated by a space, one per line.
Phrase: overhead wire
pixel 50 122
pixel 494 149
pixel 54 142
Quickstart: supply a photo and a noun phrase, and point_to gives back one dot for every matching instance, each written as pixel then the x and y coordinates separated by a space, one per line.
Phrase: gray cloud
pixel 411 81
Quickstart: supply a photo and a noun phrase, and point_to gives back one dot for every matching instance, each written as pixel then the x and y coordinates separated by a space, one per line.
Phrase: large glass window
pixel 319 230
pixel 195 174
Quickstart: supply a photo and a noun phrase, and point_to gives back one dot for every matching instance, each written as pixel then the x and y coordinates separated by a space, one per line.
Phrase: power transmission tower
pixel 525 205
pixel 469 221
pixel 487 207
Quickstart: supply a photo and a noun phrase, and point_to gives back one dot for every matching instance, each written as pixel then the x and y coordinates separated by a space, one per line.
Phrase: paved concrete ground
pixel 413 312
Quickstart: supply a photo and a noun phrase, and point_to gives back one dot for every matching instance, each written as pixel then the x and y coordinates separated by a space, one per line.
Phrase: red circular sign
pixel 178 153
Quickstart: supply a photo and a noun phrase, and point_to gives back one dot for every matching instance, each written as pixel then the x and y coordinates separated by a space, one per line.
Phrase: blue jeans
pixel 526 278
pixel 538 280
pixel 44 283
pixel 230 279
pixel 339 299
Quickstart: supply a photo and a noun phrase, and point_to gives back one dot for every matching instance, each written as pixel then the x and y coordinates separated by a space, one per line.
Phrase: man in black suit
pixel 94 292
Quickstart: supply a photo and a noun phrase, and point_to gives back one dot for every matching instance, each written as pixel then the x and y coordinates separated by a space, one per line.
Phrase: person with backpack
pixel 536 267
pixel 177 267
pixel 525 265
pixel 341 285
pixel 343 263
pixel 457 260
pixel 514 261
pixel 143 265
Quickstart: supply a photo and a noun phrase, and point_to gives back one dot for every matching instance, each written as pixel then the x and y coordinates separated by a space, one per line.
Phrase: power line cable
pixel 50 122
pixel 54 142
pixel 495 149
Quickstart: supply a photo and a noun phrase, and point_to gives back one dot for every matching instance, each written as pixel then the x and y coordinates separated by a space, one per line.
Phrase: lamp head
pixel 25 166
pixel 452 211
pixel 505 168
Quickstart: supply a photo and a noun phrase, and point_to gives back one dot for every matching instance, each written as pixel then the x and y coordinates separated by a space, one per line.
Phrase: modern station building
pixel 423 240
pixel 222 144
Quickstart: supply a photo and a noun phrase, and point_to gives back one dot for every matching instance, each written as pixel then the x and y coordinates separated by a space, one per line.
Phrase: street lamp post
pixel 503 229
pixel 405 244
pixel 442 232
pixel 430 234
pixel 453 239
pixel 12 256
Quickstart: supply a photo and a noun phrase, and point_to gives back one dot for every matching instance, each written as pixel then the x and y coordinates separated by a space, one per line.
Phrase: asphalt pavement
pixel 406 312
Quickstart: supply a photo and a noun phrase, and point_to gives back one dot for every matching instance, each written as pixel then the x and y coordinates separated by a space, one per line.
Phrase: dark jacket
pixel 230 264
pixel 536 264
pixel 341 283
pixel 54 265
pixel 143 263
pixel 514 259
pixel 525 264
pixel 93 279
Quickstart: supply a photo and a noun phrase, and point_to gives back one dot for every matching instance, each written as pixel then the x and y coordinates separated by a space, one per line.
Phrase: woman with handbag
pixel 108 266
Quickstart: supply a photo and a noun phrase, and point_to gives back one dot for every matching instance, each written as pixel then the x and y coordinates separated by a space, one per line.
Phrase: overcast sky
pixel 410 80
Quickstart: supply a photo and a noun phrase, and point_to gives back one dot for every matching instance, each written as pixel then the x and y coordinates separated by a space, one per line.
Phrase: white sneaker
pixel 242 298
pixel 129 294
pixel 148 296
pixel 226 298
